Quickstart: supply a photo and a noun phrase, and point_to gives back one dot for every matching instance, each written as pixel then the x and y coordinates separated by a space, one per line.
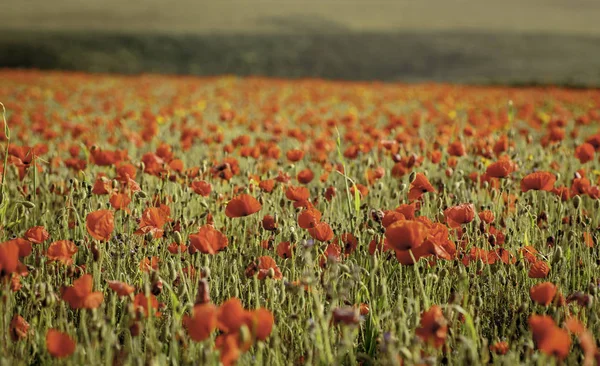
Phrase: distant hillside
pixel 458 56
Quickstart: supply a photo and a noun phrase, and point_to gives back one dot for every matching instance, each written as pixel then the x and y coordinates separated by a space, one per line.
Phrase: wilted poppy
pixel 80 295
pixel 242 205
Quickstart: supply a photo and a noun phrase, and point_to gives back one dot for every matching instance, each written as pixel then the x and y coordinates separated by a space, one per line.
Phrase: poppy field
pixel 155 220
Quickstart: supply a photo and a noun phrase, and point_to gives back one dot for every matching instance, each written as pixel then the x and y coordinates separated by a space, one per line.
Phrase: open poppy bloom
pixel 9 257
pixel 321 232
pixel 100 224
pixel 37 235
pixel 266 267
pixel 458 215
pixel 309 218
pixel 241 206
pixel 144 305
pixel 121 288
pixel 153 220
pixel 434 327
pixel 419 186
pixel 62 251
pixel 58 344
pixel 549 338
pixel 543 293
pixel 80 295
pixel 207 240
pixel 202 322
pixel 540 181
pixel 19 328
pixel 405 234
pixel 201 187
pixel 539 269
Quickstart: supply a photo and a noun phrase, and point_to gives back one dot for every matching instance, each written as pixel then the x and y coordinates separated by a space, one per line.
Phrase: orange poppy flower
pixel 19 328
pixel 541 181
pixel 201 187
pixel 266 267
pixel 390 217
pixel 332 253
pixel 539 269
pixel 58 344
pixel 120 201
pixel 297 193
pixel 9 257
pixel 458 215
pixel 149 264
pixel 434 327
pixel 305 176
pixel 549 338
pixel 231 315
pixel 486 216
pixel 543 293
pixel 406 234
pixel 175 248
pixel 500 169
pixel 242 205
pixel 268 223
pixel 419 186
pixel 37 235
pixel 321 232
pixel 102 185
pixel 207 240
pixel 529 253
pixel 153 220
pixel 121 288
pixel 285 249
pixel 295 155
pixel 586 340
pixel 62 251
pixel 347 242
pixel 309 218
pixel 80 295
pixel 202 322
pixel 499 348
pixel 585 153
pixel 100 224
pixel 144 304
pixel 229 349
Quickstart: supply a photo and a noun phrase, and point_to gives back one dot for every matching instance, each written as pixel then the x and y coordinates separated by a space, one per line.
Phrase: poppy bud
pixel 245 336
pixel 403 187
pixel 135 329
pixel 271 273
pixel 576 201
pixel 141 194
pixel 148 236
pixel 157 287
pixel 74 183
pixel 558 255
pixel 178 238
pixel 95 252
pixel 412 176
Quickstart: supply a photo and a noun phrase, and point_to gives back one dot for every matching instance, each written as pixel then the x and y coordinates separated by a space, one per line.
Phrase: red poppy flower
pixel 285 249
pixel 242 205
pixel 100 224
pixel 500 169
pixel 297 193
pixel 543 293
pixel 500 348
pixel 458 215
pixel 144 304
pixel 80 295
pixel 309 218
pixel 541 181
pixel 120 201
pixel 549 338
pixel 539 269
pixel 321 232
pixel 19 328
pixel 406 234
pixel 37 235
pixel 434 327
pixel 267 185
pixel 153 220
pixel 121 288
pixel 201 187
pixel 266 267
pixel 585 153
pixel 202 322
pixel 62 251
pixel 58 344
pixel 486 216
pixel 295 155
pixel 207 240
pixel 419 186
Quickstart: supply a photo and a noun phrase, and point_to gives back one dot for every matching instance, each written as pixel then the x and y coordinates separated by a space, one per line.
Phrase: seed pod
pixel 178 238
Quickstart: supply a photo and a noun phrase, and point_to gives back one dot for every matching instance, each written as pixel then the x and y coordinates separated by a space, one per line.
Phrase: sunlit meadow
pixel 157 220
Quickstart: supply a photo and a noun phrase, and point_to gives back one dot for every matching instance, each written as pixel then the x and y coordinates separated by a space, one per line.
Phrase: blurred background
pixel 519 42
